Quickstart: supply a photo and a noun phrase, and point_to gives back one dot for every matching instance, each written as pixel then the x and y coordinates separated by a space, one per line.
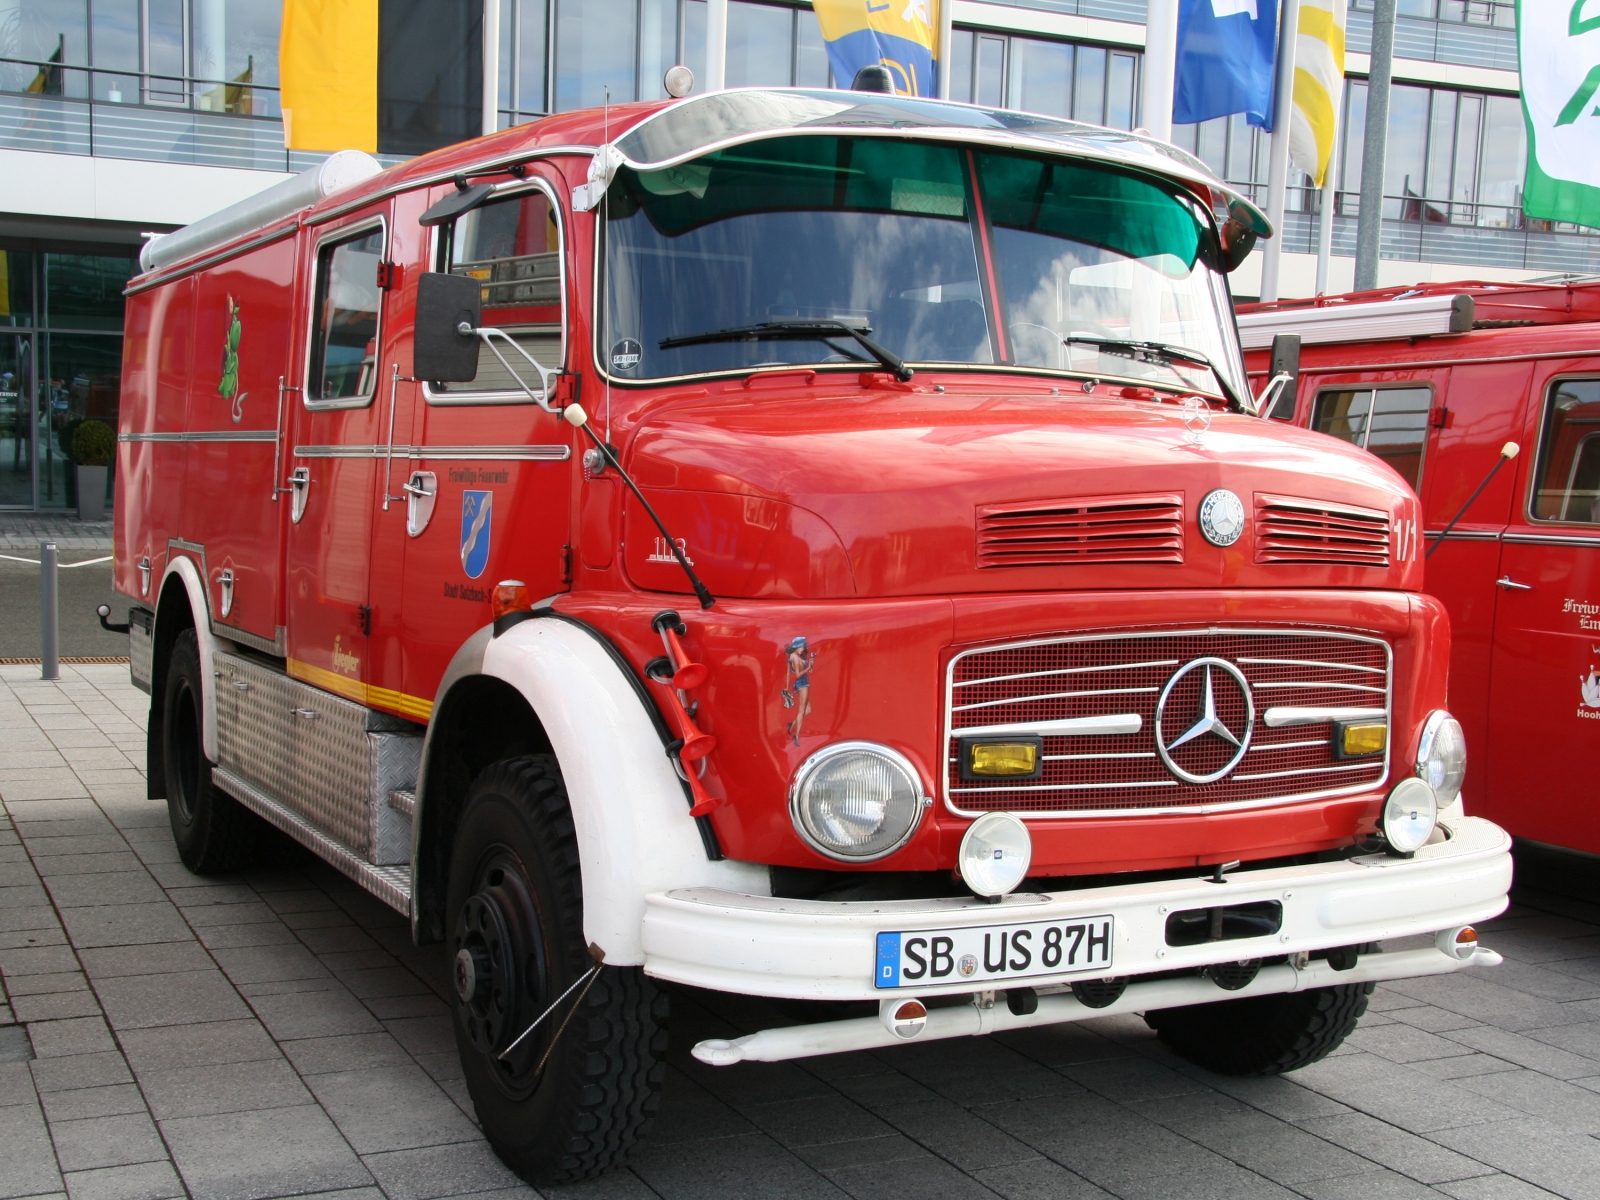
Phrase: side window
pixel 1569 454
pixel 1390 422
pixel 513 246
pixel 344 337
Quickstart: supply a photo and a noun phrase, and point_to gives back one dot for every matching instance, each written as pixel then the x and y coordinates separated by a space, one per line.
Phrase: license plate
pixel 993 953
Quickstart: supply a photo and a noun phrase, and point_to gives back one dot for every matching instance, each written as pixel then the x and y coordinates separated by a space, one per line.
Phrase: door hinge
pixel 1440 418
pixel 568 389
pixel 365 615
pixel 566 564
pixel 388 275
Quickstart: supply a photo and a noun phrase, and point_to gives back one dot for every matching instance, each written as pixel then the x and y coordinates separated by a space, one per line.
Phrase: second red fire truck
pixel 1485 398
pixel 809 544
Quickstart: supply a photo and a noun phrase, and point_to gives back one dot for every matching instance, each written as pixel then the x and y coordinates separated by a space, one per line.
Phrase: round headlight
pixel 995 853
pixel 1409 815
pixel 1442 756
pixel 855 801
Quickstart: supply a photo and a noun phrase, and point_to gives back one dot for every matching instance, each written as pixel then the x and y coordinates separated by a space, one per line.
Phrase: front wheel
pixel 213 831
pixel 1263 1035
pixel 571 1098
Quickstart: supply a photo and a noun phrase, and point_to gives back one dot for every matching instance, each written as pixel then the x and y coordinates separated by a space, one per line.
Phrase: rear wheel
pixel 572 1097
pixel 214 832
pixel 1263 1035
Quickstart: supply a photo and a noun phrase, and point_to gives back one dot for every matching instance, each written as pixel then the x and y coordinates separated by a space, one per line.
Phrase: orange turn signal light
pixel 510 595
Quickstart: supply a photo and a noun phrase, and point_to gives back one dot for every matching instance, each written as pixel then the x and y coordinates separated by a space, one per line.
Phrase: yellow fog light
pixel 1358 741
pixel 1012 759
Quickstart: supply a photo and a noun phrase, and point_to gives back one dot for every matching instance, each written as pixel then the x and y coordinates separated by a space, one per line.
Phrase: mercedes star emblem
pixel 1221 517
pixel 1210 723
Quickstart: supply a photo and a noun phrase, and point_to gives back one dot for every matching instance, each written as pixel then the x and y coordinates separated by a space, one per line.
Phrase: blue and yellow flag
pixel 899 34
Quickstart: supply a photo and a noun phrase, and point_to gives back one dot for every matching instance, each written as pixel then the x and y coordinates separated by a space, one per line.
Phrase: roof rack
pixel 335 173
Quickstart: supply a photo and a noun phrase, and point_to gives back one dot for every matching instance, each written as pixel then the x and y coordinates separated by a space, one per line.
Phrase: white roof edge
pixel 1375 320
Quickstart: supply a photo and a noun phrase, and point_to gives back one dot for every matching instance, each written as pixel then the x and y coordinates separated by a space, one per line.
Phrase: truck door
pixel 334 459
pixel 244 318
pixel 1545 690
pixel 488 469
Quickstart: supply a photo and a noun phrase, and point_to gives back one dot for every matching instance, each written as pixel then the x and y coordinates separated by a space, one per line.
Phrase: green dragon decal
pixel 228 386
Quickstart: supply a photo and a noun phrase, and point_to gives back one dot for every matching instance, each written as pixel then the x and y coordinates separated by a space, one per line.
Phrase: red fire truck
pixel 810 544
pixel 1485 398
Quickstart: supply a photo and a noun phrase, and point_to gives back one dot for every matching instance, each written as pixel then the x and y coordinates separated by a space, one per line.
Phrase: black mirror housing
pixel 440 353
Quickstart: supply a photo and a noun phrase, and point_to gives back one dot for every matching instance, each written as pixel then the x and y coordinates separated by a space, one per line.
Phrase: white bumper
pixel 821 950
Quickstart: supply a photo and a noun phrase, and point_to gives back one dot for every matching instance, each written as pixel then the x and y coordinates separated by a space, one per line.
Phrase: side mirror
pixel 1237 242
pixel 1277 399
pixel 439 352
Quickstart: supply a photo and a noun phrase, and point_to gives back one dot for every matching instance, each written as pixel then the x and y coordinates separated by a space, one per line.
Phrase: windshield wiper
pixel 820 330
pixel 1160 354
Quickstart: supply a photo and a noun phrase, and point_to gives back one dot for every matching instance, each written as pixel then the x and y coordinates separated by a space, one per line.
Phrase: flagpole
pixel 491 66
pixel 716 45
pixel 1330 193
pixel 1375 147
pixel 1160 68
pixel 1278 164
pixel 947 12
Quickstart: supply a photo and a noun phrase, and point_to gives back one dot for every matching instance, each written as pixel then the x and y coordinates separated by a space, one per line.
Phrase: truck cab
pixel 809 544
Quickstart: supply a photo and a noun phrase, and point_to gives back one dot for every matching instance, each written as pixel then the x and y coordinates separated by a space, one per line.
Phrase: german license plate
pixel 993 953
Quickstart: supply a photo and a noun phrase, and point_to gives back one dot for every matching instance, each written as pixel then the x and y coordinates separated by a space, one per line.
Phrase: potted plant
pixel 93 444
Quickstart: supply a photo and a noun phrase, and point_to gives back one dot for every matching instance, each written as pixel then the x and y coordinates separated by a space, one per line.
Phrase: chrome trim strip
pixel 1342 687
pixel 1424 364
pixel 204 435
pixel 1066 727
pixel 1106 754
pixel 1170 809
pixel 1070 787
pixel 392 885
pixel 1548 539
pixel 1165 662
pixel 1288 745
pixel 1279 718
pixel 1056 696
pixel 1307 662
pixel 1360 766
pixel 1464 535
pixel 441 453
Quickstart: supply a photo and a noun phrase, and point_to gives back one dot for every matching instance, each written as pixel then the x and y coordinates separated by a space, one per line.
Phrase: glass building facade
pixel 196 82
pixel 60 361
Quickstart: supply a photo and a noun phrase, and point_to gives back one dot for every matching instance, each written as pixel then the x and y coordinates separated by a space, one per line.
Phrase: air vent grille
pixel 1092 529
pixel 1289 530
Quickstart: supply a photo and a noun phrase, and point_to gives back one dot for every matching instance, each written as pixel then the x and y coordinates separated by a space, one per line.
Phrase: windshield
pixel 918 246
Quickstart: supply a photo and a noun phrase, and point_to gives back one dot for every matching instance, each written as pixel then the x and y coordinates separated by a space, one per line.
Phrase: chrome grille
pixel 1307 531
pixel 1095 765
pixel 1090 529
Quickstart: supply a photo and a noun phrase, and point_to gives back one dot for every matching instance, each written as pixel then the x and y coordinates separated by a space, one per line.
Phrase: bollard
pixel 49 612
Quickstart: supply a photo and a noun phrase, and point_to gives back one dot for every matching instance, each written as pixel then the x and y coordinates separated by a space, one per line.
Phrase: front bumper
pixel 821 950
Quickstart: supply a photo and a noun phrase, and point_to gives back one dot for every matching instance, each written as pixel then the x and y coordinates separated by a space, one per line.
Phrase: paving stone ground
pixel 276 1034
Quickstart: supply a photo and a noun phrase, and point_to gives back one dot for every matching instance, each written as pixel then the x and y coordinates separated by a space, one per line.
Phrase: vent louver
pixel 1289 530
pixel 1091 529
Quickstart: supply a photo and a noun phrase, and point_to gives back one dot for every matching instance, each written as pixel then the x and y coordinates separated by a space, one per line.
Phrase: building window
pixel 1057 79
pixel 60 362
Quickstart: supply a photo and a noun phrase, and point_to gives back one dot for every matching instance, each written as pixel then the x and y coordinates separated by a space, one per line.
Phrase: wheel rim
pixel 186 752
pixel 498 973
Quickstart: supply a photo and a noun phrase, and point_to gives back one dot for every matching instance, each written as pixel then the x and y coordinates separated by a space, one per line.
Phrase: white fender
pixel 183 567
pixel 635 835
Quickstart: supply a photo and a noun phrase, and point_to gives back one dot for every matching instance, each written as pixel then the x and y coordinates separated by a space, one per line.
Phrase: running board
pixel 970 1020
pixel 392 885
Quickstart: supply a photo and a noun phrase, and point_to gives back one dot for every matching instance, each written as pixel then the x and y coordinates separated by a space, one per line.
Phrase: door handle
pixel 308 714
pixel 421 490
pixel 1511 585
pixel 299 484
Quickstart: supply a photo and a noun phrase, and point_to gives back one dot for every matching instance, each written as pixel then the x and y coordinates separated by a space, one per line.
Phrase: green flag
pixel 1558 48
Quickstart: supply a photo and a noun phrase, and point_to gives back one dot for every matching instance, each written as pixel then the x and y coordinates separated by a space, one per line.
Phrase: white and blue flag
pixel 1224 60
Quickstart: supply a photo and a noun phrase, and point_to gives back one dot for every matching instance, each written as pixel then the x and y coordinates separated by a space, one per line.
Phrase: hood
pixel 921 493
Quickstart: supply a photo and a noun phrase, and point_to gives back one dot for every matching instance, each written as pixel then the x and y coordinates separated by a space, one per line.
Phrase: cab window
pixel 1390 422
pixel 344 339
pixel 1569 454
pixel 513 246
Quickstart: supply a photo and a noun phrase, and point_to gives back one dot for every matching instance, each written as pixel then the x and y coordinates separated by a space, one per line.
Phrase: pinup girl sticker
pixel 797 684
